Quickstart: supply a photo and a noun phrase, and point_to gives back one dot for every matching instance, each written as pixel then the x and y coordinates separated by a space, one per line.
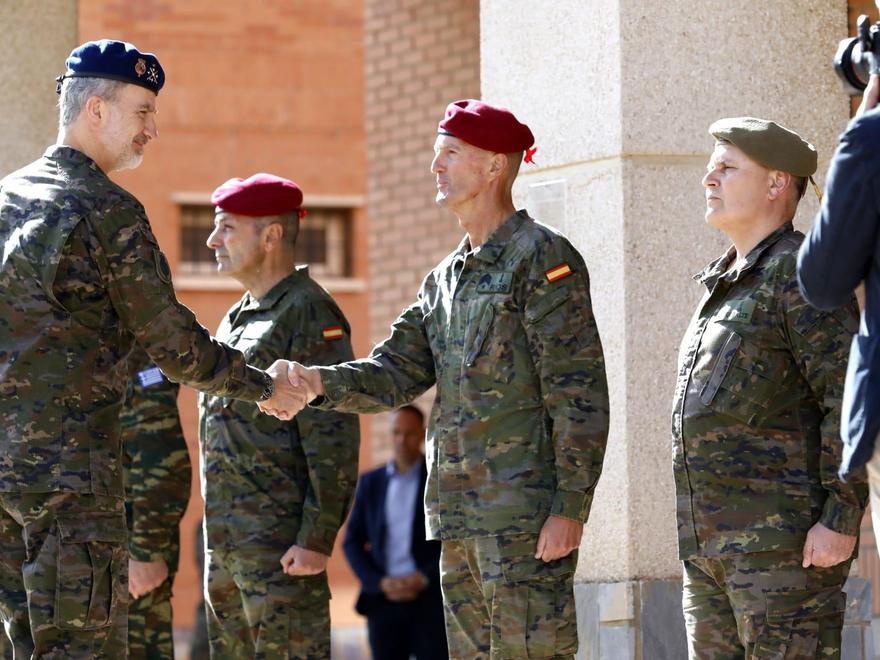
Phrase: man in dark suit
pixel 385 544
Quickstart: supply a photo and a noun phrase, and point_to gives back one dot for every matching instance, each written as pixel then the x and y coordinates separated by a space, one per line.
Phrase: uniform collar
pixel 251 304
pixel 70 155
pixel 719 267
pixel 498 240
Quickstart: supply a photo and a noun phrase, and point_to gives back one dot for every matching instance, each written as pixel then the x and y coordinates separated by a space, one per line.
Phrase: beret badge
pixel 141 67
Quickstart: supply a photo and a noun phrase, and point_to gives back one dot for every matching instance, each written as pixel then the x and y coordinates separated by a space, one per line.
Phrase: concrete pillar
pixel 35 39
pixel 619 94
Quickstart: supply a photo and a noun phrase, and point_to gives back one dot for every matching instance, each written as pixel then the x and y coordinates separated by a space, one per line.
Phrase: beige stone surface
pixel 35 39
pixel 620 94
pixel 558 68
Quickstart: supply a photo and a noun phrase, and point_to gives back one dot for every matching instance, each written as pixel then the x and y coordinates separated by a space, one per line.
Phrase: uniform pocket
pixel 533 608
pixel 481 334
pixel 90 570
pixel 739 385
pixel 796 620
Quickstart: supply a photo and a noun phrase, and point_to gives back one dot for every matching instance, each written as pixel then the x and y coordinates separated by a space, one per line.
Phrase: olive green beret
pixel 768 143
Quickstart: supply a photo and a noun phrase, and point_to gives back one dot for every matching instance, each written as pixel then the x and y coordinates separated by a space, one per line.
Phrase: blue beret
pixel 115 60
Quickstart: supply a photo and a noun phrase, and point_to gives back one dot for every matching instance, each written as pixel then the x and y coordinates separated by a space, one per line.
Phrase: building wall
pixel 419 56
pixel 271 86
pixel 28 103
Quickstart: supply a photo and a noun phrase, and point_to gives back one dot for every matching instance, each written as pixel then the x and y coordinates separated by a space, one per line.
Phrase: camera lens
pixel 851 66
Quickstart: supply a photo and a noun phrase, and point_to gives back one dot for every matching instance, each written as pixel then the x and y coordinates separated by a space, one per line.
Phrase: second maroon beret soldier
pixel 504 327
pixel 272 487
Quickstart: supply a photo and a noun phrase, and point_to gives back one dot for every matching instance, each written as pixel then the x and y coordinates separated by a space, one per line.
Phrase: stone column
pixel 35 39
pixel 619 94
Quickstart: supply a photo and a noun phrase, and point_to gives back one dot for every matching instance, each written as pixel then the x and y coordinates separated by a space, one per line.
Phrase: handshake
pixel 295 386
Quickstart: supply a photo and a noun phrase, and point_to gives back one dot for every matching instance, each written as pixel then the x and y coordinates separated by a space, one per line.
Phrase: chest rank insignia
pixel 495 283
pixel 332 333
pixel 141 67
pixel 559 272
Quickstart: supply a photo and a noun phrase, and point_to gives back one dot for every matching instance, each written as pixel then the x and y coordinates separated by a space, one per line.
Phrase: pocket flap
pixel 785 605
pixel 85 527
pixel 519 564
pixel 540 308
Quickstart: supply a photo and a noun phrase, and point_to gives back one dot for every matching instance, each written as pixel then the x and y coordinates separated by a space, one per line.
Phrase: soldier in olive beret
pixel 766 529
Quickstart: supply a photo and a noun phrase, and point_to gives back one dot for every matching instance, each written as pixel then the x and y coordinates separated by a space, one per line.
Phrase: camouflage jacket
pixel 756 414
pixel 156 462
pixel 269 483
pixel 520 417
pixel 81 279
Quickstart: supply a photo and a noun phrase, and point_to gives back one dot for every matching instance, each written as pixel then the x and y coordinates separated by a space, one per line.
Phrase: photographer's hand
pixel 870 96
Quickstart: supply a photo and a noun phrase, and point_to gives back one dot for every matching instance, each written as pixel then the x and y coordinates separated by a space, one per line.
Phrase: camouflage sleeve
pixel 330 439
pixel 397 371
pixel 138 281
pixel 157 460
pixel 564 342
pixel 820 344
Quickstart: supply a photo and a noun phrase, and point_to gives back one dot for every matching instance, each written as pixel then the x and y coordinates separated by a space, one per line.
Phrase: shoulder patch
pixel 559 272
pixel 163 270
pixel 333 333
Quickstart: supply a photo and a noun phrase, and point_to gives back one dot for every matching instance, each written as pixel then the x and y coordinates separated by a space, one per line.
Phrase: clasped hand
pixel 295 386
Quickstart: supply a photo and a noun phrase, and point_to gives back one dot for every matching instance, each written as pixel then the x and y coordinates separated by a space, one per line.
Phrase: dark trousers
pixel 398 630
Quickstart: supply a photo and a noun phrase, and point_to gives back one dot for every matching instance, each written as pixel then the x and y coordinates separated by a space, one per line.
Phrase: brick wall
pixel 419 55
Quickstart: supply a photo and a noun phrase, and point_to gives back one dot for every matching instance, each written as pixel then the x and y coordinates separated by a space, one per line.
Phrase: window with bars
pixel 324 241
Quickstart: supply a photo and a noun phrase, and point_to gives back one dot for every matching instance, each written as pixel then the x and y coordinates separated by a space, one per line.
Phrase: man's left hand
pixel 826 548
pixel 299 561
pixel 144 576
pixel 558 537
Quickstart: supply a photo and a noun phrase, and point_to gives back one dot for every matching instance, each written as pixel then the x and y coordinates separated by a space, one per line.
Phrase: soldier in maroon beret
pixel 504 328
pixel 279 488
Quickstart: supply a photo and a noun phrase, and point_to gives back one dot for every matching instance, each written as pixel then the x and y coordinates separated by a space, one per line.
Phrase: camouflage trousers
pixel 501 602
pixel 149 624
pixel 256 611
pixel 64 575
pixel 763 605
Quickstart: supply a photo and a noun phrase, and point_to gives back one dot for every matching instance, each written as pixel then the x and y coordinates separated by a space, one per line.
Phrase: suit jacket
pixel 365 540
pixel 842 250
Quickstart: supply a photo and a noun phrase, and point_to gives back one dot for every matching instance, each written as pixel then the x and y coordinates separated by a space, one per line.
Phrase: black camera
pixel 858 57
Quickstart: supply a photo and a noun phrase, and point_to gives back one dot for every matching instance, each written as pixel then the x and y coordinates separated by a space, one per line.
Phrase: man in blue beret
pixel 82 279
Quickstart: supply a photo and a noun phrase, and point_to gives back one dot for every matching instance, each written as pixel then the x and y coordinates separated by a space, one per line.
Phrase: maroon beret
pixel 260 195
pixel 486 126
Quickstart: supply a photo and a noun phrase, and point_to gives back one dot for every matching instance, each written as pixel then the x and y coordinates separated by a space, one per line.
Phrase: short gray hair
pixel 289 226
pixel 76 91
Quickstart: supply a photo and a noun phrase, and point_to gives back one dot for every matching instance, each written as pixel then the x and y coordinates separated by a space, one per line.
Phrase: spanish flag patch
pixel 332 333
pixel 558 272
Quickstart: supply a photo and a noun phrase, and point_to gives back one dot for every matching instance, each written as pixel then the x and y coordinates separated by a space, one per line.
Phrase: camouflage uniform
pixel 82 279
pixel 157 486
pixel 517 431
pixel 756 450
pixel 270 484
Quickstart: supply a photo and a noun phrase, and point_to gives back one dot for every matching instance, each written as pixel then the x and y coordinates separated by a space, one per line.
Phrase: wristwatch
pixel 268 387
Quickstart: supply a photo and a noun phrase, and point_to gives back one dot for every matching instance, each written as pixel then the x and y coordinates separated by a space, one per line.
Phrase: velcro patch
pixel 333 332
pixel 559 272
pixel 149 377
pixel 495 282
